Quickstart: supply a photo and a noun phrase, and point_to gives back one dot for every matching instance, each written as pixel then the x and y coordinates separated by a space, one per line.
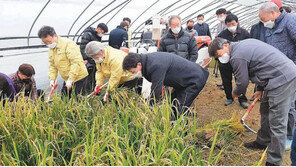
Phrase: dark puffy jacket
pixel 184 45
pixel 171 70
pixel 6 86
pixel 117 36
pixel 258 31
pixel 89 34
pixel 283 35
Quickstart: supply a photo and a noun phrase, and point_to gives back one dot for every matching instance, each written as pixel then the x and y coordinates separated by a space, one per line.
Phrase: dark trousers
pixel 90 82
pixel 226 75
pixel 293 150
pixel 182 98
pixel 133 84
pixel 78 87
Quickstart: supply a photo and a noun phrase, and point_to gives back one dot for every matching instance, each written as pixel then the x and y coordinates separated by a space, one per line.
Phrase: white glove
pixel 52 84
pixel 69 84
pixel 106 97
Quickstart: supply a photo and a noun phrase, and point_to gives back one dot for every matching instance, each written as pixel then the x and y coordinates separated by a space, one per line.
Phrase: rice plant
pixel 123 131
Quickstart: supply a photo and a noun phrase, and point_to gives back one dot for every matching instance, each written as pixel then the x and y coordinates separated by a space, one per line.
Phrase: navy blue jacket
pixel 283 35
pixel 258 31
pixel 171 70
pixel 202 30
pixel 6 86
pixel 117 36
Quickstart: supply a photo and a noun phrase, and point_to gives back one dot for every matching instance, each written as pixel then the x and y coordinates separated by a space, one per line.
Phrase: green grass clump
pixel 124 131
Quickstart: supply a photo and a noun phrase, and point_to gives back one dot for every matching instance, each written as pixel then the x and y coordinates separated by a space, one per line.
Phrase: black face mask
pixel 190 27
pixel 26 81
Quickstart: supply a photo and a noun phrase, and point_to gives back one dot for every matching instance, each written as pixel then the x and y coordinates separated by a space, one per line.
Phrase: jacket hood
pixel 92 31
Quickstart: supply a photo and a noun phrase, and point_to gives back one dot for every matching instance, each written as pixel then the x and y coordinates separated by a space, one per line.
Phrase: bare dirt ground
pixel 210 108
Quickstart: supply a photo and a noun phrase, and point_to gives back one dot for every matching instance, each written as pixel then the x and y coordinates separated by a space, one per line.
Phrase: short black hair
pixel 190 21
pixel 148 22
pixel 45 31
pixel 230 18
pixel 228 12
pixel 131 61
pixel 103 26
pixel 221 11
pixel 123 24
pixel 27 70
pixel 127 19
pixel 200 15
pixel 215 45
pixel 286 8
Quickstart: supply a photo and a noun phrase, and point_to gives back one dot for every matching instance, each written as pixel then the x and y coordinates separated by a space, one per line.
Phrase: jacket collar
pixel 280 18
pixel 120 27
pixel 59 43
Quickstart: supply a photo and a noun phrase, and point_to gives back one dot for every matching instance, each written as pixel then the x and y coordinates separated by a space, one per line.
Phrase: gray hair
pixel 172 17
pixel 94 48
pixel 268 7
pixel 215 45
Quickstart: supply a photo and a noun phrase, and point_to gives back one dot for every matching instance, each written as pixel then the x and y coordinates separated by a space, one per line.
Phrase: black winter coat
pixel 184 45
pixel 170 70
pixel 117 36
pixel 89 34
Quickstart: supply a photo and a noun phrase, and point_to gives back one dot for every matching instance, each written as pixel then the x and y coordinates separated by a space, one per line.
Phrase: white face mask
pixel 99 60
pixel 221 19
pixel 200 22
pixel 269 24
pixel 138 74
pixel 224 59
pixel 52 45
pixel 176 30
pixel 100 35
pixel 232 28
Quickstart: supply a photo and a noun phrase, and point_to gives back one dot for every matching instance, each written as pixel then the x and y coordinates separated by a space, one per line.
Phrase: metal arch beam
pixel 102 17
pixel 144 12
pixel 118 11
pixel 176 8
pixel 188 7
pixel 28 39
pixel 204 7
pixel 80 16
pixel 160 12
pixel 214 16
pixel 94 16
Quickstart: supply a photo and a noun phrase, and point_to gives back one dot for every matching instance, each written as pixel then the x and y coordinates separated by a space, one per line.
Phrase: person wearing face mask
pixel 7 91
pixel 166 69
pixel 65 58
pixel 221 15
pixel 275 76
pixel 189 28
pixel 23 80
pixel 201 27
pixel 109 66
pixel 178 41
pixel 119 35
pixel 91 34
pixel 233 33
pixel 280 33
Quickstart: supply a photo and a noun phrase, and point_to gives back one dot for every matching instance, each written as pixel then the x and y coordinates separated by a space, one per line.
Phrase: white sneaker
pixel 288 144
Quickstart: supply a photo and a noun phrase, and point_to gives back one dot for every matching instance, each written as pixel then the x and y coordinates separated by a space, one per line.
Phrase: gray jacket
pixel 283 35
pixel 184 45
pixel 261 63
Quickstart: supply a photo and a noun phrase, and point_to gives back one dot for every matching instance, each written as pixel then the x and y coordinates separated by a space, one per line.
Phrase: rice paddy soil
pixel 210 108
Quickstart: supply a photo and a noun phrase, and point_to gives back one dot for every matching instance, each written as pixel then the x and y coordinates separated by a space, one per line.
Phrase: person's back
pixel 178 72
pixel 118 35
pixel 6 87
pixel 267 66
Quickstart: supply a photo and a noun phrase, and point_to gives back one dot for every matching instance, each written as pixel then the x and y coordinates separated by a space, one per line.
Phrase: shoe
pixel 244 105
pixel 270 164
pixel 254 145
pixel 288 144
pixel 228 102
pixel 220 86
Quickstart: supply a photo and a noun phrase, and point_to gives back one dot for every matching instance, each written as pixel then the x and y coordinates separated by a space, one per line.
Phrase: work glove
pixel 52 84
pixel 106 96
pixel 69 84
pixel 97 89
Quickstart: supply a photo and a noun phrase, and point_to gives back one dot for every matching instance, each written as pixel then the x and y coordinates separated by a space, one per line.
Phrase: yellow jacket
pixel 66 59
pixel 111 68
